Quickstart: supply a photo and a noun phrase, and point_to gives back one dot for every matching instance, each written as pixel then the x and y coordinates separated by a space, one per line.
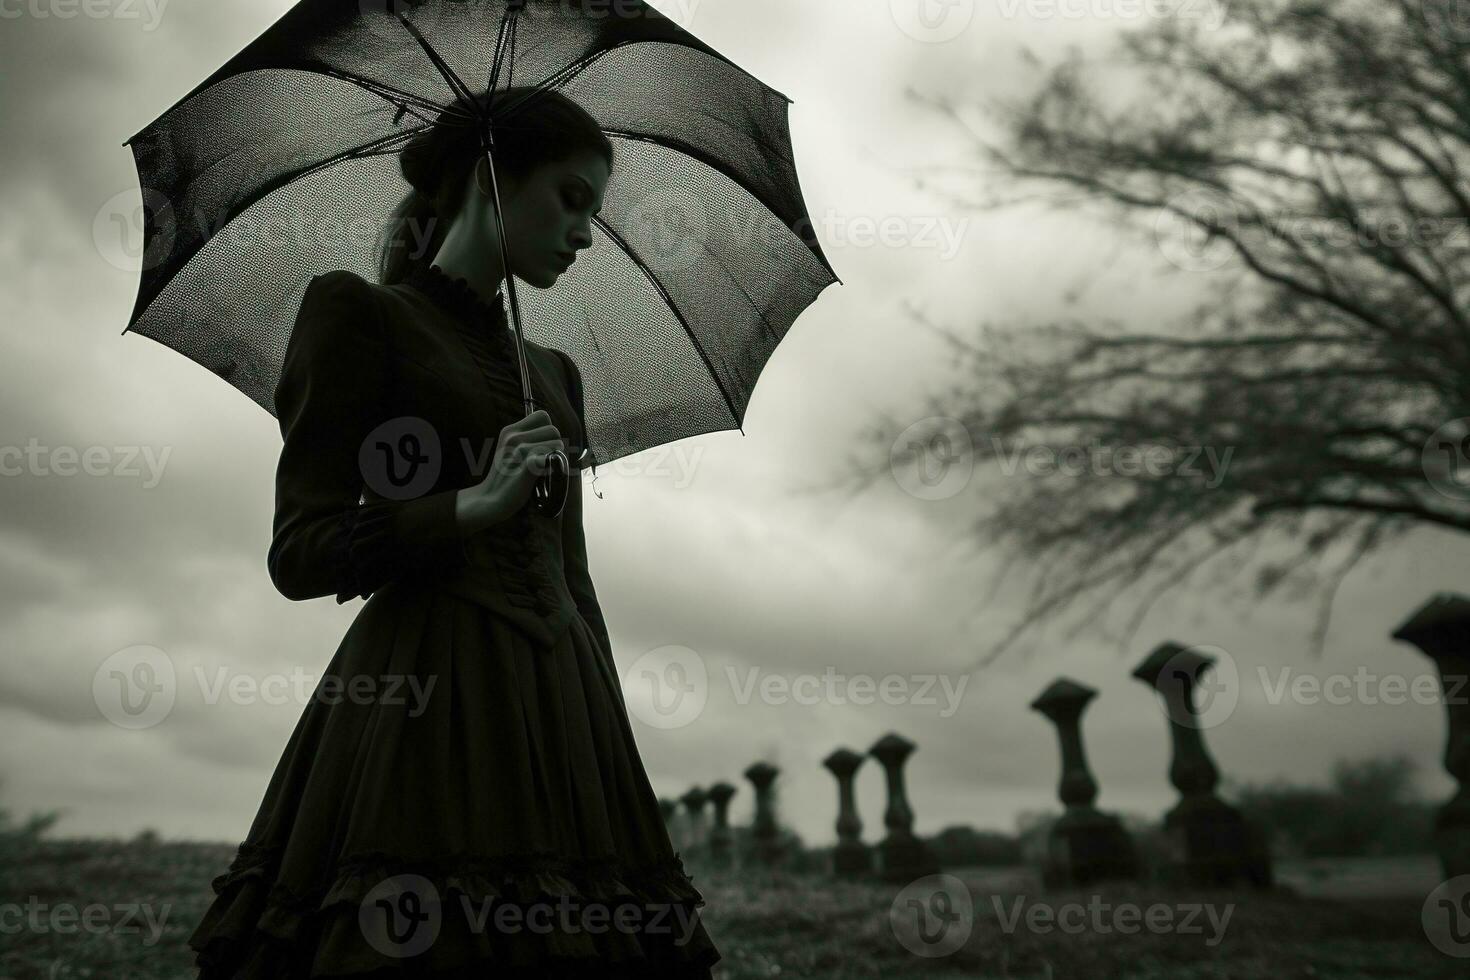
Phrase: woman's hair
pixel 538 127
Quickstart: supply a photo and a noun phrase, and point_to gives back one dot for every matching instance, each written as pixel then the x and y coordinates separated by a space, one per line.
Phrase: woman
pixel 463 795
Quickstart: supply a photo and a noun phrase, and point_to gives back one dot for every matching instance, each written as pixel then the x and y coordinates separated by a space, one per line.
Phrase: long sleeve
pixel 324 541
pixel 573 536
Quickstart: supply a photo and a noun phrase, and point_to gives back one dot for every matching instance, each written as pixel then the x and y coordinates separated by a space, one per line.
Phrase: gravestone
pixel 902 855
pixel 1441 629
pixel 850 856
pixel 720 836
pixel 1211 842
pixel 1085 844
pixel 694 801
pixel 763 830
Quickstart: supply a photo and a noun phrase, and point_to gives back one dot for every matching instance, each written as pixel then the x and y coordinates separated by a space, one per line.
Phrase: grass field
pixel 120 911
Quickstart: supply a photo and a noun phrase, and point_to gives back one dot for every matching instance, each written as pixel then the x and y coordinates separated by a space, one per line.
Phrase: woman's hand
pixel 520 457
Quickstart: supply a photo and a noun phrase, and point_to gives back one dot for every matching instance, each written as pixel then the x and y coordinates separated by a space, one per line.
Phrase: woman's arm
pixel 324 542
pixel 573 536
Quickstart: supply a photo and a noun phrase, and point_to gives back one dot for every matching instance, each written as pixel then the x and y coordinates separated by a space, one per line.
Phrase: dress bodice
pixel 415 374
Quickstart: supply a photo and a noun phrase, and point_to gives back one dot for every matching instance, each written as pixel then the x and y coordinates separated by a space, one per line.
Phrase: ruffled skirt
pixel 456 801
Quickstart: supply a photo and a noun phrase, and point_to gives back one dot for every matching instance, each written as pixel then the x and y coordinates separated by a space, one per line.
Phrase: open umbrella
pixel 279 167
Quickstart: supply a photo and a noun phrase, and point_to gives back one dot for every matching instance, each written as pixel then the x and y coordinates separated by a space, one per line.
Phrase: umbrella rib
pixel 764 143
pixel 390 94
pixel 383 144
pixel 770 329
pixel 697 46
pixel 698 347
pixel 451 79
pixel 679 146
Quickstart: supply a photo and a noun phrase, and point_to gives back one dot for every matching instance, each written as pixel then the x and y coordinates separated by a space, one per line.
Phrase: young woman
pixel 462 796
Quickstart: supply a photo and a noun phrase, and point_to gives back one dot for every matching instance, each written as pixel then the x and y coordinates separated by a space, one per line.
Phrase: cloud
pixel 738 564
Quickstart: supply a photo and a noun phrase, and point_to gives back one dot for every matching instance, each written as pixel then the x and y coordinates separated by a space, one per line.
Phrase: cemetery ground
pixel 1335 920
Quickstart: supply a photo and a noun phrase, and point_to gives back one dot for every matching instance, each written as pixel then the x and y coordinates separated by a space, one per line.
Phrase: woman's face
pixel 548 215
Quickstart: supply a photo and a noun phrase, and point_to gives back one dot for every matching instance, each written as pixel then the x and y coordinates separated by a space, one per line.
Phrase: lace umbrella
pixel 280 166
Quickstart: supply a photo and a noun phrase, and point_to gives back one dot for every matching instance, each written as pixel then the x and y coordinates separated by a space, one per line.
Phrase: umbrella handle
pixel 549 495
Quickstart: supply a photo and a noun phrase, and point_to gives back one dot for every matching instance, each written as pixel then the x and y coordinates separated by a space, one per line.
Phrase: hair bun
pixel 531 124
pixel 416 161
pixel 424 158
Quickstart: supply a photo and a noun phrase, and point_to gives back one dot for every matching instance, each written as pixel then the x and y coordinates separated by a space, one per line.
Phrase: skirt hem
pixel 259 929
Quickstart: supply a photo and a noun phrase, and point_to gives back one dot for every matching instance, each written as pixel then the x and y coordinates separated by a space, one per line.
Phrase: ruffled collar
pixel 455 294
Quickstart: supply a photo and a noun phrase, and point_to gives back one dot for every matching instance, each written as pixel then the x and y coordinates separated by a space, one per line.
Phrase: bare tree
pixel 1308 155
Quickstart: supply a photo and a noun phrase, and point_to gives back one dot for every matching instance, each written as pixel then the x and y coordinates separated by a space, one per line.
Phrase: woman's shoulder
pixel 334 302
pixel 338 293
pixel 343 280
pixel 343 289
pixel 337 331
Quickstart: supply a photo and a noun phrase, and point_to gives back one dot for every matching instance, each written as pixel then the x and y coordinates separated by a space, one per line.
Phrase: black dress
pixel 463 795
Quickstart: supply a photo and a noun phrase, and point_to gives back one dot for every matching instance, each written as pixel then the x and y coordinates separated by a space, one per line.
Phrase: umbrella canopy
pixel 282 165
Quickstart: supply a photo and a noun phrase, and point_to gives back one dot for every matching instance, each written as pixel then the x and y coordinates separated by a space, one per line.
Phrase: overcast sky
pixel 713 546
